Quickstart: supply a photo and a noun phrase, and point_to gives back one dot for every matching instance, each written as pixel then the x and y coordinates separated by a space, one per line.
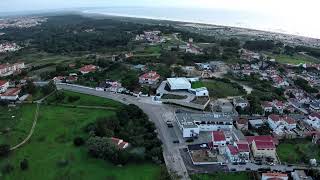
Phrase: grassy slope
pixel 295 59
pixel 218 89
pixel 19 119
pixel 86 100
pixel 52 142
pixel 221 176
pixel 288 151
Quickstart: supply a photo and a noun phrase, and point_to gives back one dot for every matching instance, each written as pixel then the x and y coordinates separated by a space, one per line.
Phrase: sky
pixel 296 13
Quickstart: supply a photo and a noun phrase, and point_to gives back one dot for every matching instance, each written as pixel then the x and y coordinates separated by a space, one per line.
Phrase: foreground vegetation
pixel 298 151
pixel 222 176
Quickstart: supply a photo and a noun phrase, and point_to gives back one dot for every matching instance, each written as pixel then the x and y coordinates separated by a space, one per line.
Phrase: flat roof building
pixel 179 83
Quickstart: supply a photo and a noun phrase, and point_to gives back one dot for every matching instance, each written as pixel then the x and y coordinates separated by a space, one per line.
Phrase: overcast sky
pixel 297 13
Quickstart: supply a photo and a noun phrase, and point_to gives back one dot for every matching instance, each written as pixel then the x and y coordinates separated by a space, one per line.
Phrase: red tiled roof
pixel 279 103
pixel 12 92
pixel 274 175
pixel 266 104
pixel 264 145
pixel 150 75
pixel 2 82
pixel 250 139
pixel 289 120
pixel 315 114
pixel 88 68
pixel 233 150
pixel 243 147
pixel 242 121
pixel 275 117
pixel 218 136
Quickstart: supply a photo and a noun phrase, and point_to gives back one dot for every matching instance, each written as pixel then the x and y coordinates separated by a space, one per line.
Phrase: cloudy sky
pixel 297 14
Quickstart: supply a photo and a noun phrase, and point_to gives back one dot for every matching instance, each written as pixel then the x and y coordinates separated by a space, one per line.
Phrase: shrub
pixel 7 168
pixel 78 141
pixel 24 164
pixel 4 150
pixel 73 98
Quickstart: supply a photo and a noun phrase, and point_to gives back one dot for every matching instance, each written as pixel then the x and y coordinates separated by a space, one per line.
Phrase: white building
pixel 240 102
pixel 191 124
pixel 314 120
pixel 11 94
pixel 179 83
pixel 3 86
pixel 278 122
pixel 200 91
pixel 300 175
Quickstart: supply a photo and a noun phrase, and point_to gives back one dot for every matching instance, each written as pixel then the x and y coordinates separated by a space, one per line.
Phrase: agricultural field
pixel 221 176
pixel 298 151
pixel 219 89
pixel 15 123
pixel 51 152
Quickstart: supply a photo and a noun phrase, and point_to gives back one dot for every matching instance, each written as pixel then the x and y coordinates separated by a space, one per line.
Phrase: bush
pixel 24 164
pixel 72 99
pixel 7 168
pixel 4 150
pixel 78 141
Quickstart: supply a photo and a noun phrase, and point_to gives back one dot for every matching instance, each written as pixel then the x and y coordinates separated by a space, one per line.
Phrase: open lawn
pixel 295 59
pixel 298 151
pixel 52 155
pixel 219 89
pixel 15 123
pixel 221 176
pixel 84 100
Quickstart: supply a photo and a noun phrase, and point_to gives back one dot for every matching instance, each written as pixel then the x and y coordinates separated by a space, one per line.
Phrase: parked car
pixel 189 140
pixel 176 142
pixel 203 146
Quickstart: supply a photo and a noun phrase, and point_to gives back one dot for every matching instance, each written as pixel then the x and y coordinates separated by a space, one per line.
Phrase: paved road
pixel 158 113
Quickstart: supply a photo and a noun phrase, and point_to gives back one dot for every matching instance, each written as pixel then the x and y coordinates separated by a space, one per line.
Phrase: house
pixel 218 139
pixel 315 105
pixel 111 86
pixel 119 143
pixel 314 120
pixel 279 106
pixel 9 69
pixel 149 78
pixel 278 122
pixel 244 150
pixel 11 94
pixel 240 102
pixel 178 83
pixel 232 153
pixel 203 66
pixel 274 121
pixel 263 149
pixel 59 79
pixel 200 92
pixel 267 106
pixel 71 79
pixel 88 69
pixel 300 175
pixel 274 176
pixel 256 123
pixel 279 81
pixel 4 85
pixel 242 124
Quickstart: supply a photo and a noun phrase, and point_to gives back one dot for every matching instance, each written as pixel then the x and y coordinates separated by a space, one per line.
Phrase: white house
pixel 151 77
pixel 315 105
pixel 274 121
pixel 267 106
pixel 179 83
pixel 4 85
pixel 11 94
pixel 218 139
pixel 240 102
pixel 314 120
pixel 200 91
pixel 278 122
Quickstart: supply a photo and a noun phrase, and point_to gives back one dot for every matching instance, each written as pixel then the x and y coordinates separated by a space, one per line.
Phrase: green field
pixel 15 123
pixel 52 144
pixel 85 100
pixel 298 151
pixel 219 89
pixel 221 176
pixel 295 59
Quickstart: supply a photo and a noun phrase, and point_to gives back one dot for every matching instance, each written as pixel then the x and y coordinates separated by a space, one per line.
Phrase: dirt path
pixel 31 131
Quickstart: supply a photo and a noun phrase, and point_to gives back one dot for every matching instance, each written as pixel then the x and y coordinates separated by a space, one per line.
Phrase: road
pixel 158 113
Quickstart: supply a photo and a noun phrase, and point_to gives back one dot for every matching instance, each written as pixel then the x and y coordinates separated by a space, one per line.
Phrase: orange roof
pixel 2 82
pixel 12 92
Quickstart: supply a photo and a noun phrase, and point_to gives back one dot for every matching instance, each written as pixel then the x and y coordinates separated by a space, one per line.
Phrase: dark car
pixel 176 142
pixel 242 163
pixel 190 140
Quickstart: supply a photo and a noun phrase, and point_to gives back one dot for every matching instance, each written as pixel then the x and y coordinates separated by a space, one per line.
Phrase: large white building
pixel 3 86
pixel 179 84
pixel 191 124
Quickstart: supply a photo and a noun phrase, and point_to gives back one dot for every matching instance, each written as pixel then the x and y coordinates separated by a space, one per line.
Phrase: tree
pixel 24 164
pixel 4 150
pixel 7 168
pixel 49 88
pixel 30 88
pixel 78 141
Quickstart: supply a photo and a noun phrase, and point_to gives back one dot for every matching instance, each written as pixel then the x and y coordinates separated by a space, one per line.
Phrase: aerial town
pixel 255 113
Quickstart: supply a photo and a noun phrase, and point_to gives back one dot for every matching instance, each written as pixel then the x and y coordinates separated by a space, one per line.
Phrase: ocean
pixel 251 20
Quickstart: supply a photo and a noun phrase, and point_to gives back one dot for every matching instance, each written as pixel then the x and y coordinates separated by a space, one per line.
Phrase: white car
pixel 203 146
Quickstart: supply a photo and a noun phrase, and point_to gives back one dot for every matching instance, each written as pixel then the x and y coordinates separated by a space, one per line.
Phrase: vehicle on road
pixel 169 124
pixel 203 146
pixel 189 140
pixel 176 141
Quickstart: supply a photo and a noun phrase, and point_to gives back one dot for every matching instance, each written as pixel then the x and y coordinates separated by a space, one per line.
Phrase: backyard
pixel 222 176
pixel 220 89
pixel 51 153
pixel 298 151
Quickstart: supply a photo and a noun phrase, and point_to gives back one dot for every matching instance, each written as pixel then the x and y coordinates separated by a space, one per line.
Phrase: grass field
pixel 85 100
pixel 15 123
pixel 52 143
pixel 218 89
pixel 295 59
pixel 298 151
pixel 221 176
